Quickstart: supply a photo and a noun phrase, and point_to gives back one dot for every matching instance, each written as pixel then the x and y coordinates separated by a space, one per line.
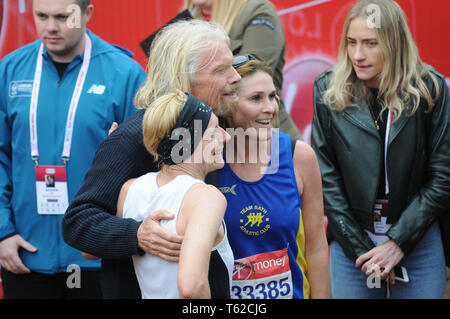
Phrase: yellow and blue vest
pixel 264 220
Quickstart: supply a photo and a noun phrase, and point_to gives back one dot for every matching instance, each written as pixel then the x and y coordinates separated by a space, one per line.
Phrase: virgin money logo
pixel 242 269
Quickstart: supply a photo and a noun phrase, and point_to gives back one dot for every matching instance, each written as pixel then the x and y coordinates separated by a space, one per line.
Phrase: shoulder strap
pixel 293 142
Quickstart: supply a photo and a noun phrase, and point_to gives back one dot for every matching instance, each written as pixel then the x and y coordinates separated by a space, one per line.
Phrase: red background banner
pixel 312 29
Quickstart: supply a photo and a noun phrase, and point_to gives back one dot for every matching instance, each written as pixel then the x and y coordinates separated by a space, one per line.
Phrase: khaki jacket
pixel 257 29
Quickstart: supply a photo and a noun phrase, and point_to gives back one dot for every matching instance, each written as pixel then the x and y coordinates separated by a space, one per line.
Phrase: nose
pixel 358 54
pixel 51 26
pixel 270 106
pixel 234 76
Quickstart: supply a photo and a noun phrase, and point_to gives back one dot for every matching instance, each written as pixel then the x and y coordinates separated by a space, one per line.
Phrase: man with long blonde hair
pixel 381 134
pixel 190 56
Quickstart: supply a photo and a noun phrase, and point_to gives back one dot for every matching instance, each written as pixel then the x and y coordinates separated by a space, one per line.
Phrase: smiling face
pixel 217 79
pixel 257 107
pixel 62 40
pixel 364 52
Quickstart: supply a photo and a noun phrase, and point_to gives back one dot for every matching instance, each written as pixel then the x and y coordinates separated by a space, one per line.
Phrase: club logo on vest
pixel 254 220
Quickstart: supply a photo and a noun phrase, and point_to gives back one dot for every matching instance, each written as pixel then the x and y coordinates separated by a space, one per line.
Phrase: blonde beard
pixel 227 106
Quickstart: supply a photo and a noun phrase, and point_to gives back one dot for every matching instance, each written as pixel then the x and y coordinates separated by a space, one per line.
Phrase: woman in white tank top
pixel 183 133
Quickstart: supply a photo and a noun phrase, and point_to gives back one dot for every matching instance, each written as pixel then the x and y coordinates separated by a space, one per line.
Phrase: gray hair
pixel 176 55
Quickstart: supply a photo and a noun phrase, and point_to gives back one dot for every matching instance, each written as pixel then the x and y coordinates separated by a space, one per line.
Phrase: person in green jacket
pixel 381 134
pixel 254 28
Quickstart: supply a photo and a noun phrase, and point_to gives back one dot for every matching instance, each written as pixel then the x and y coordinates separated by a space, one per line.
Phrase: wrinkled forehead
pixel 217 55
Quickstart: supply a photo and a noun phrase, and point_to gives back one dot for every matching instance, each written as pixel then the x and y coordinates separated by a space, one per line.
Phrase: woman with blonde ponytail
pixel 381 135
pixel 206 260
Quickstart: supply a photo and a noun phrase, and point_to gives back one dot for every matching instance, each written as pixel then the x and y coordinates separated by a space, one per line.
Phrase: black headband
pixel 179 144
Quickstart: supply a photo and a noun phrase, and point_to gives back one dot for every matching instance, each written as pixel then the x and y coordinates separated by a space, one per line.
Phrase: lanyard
pixel 386 141
pixel 73 103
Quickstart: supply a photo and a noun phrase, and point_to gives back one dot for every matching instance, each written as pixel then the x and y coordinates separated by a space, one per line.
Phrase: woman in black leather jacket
pixel 381 134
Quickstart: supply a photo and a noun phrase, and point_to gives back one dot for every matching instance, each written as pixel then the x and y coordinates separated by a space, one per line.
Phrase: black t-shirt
pixel 60 67
pixel 376 105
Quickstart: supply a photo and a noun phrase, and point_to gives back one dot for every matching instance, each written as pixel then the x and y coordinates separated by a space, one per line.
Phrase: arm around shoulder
pixel 90 223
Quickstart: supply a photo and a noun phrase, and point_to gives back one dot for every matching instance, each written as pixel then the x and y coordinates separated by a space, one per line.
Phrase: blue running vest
pixel 265 229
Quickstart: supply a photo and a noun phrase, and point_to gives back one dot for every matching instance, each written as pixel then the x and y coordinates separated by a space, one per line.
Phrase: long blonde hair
pixel 159 119
pixel 223 11
pixel 177 53
pixel 401 82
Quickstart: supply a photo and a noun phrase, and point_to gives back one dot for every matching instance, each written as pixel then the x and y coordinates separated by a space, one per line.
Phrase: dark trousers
pixel 55 286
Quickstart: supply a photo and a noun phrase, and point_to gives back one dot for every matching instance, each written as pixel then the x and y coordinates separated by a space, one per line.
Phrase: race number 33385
pixel 263 276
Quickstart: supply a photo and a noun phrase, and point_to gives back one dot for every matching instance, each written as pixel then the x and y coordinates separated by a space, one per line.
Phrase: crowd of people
pixel 192 181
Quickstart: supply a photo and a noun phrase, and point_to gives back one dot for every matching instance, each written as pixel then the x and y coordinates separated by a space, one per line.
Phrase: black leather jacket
pixel 349 150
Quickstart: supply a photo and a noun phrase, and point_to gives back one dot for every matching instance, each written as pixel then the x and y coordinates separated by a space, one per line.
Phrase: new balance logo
pixel 97 89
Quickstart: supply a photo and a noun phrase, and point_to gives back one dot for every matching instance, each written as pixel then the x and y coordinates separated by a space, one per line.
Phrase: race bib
pixel 51 190
pixel 263 276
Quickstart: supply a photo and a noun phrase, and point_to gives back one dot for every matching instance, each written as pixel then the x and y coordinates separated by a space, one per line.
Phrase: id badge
pixel 379 222
pixel 51 190
pixel 263 276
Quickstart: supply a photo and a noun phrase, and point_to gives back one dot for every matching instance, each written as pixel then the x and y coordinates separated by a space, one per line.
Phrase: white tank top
pixel 158 278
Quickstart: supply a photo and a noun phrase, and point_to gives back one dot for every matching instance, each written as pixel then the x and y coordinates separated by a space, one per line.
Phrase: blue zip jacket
pixel 111 83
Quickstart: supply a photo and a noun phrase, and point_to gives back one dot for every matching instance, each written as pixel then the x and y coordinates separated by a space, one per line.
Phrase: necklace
pixel 375 119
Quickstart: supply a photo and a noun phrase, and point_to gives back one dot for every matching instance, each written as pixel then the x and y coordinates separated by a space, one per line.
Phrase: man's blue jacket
pixel 111 83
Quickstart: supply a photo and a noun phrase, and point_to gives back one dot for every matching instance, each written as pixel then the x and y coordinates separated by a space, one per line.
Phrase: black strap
pixel 293 142
pixel 212 178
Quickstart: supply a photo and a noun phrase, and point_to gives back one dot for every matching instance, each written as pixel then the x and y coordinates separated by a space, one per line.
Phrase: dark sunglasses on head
pixel 240 60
